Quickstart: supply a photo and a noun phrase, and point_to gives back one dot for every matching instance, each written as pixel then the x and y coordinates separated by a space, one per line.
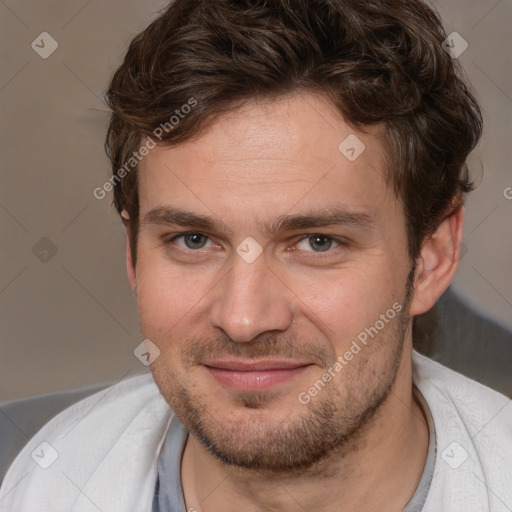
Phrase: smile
pixel 254 376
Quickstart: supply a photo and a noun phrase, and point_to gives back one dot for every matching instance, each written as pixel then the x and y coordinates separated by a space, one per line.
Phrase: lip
pixel 250 365
pixel 254 375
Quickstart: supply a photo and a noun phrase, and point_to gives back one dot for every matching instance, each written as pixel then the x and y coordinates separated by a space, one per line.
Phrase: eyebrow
pixel 320 218
pixel 174 216
pixel 312 219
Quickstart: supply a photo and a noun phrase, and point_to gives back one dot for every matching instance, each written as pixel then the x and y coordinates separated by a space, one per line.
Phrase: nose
pixel 251 300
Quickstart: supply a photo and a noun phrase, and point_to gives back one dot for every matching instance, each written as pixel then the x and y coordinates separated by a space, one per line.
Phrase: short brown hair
pixel 379 61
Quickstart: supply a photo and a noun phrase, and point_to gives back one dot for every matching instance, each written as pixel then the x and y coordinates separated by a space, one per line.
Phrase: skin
pixel 252 166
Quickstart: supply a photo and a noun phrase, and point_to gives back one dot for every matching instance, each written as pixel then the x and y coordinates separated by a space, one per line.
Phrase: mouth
pixel 242 375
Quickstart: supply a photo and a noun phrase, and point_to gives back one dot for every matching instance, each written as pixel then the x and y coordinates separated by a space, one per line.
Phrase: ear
pixel 438 261
pixel 130 270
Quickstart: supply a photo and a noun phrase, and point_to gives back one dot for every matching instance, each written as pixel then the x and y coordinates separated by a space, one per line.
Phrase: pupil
pixel 321 243
pixel 194 241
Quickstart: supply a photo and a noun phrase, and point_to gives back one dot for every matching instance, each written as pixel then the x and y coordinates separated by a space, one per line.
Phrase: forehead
pixel 290 153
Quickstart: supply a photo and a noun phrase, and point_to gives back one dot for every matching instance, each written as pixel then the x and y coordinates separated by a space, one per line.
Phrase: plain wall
pixel 72 320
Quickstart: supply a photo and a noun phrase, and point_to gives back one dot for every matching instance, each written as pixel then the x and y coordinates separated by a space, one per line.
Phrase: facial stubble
pixel 309 434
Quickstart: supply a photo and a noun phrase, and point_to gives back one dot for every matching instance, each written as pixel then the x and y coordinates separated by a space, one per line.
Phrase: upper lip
pixel 245 366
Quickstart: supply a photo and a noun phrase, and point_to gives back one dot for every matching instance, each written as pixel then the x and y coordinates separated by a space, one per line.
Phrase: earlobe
pixel 438 261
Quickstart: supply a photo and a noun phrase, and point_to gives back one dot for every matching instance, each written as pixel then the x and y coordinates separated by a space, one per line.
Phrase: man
pixel 291 179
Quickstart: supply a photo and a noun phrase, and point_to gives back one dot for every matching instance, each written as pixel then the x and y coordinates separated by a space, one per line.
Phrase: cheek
pixel 343 303
pixel 167 296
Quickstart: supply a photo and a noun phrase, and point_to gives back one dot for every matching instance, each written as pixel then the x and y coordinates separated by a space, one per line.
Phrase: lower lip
pixel 254 380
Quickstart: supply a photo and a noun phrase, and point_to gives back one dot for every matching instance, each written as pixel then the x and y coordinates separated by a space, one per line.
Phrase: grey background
pixel 71 320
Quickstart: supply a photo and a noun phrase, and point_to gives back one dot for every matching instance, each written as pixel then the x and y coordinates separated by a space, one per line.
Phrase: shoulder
pixel 447 389
pixel 473 429
pixel 461 338
pixel 21 419
pixel 97 431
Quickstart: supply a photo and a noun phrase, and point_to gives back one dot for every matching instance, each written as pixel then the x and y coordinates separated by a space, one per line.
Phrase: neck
pixel 379 470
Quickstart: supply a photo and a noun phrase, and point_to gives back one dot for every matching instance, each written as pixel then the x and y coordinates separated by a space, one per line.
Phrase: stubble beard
pixel 334 423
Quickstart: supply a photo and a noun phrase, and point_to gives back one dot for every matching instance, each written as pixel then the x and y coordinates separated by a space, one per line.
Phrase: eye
pixel 317 243
pixel 192 240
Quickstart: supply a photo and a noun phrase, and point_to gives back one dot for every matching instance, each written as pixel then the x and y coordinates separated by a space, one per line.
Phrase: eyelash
pixel 184 234
pixel 340 242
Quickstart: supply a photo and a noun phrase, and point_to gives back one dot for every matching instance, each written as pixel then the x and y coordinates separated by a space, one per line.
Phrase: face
pixel 271 275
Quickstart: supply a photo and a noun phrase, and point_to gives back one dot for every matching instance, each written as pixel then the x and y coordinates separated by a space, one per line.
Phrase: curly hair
pixel 378 61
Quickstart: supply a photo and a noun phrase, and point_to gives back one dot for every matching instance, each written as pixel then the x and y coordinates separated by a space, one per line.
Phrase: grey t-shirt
pixel 169 496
